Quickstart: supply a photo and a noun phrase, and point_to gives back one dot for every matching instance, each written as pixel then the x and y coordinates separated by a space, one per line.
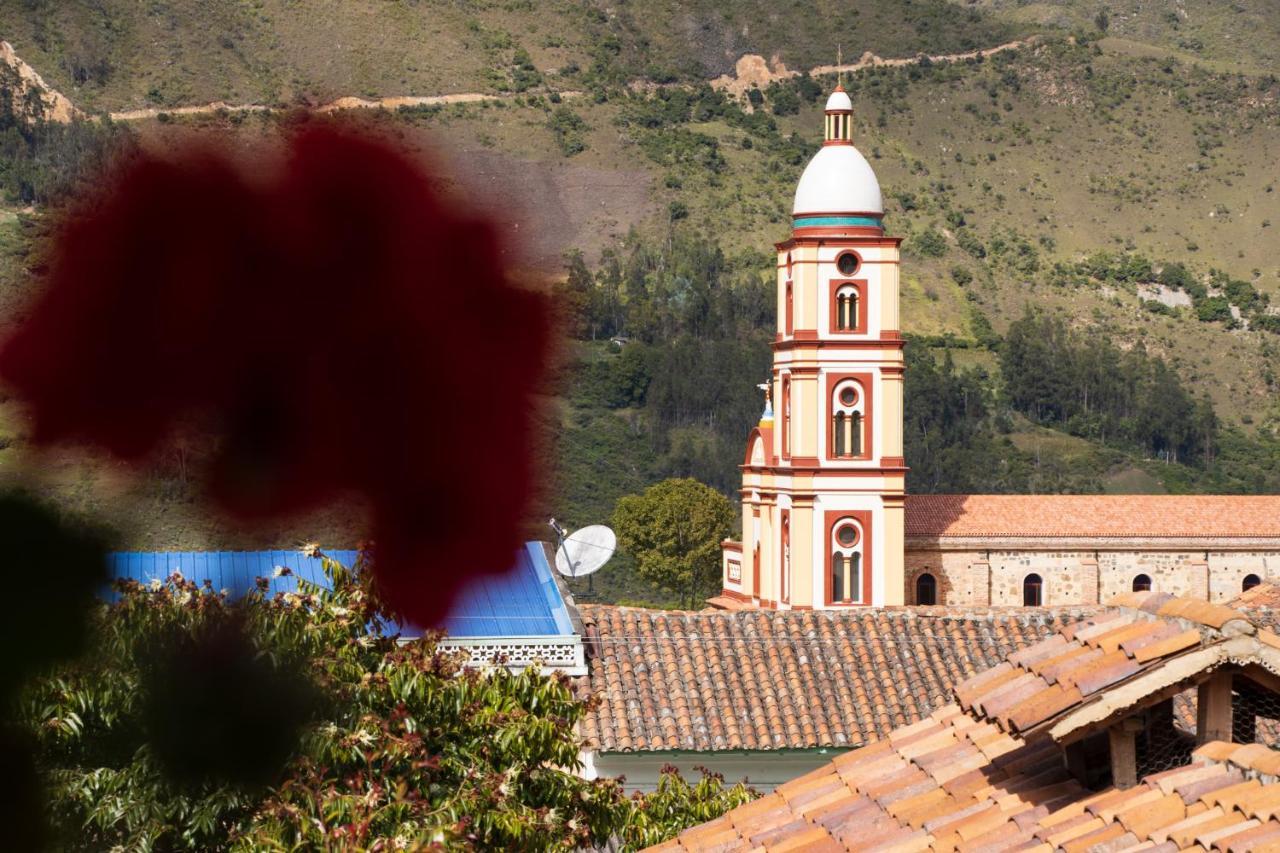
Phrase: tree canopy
pixel 674 530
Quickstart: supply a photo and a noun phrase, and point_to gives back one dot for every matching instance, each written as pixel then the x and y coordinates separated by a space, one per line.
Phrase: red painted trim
pixel 731 545
pixel 863 517
pixel 895 461
pixel 827 142
pixel 804 461
pixel 865 382
pixel 805 335
pixel 871 261
pixel 735 595
pixel 810 467
pixel 874 343
pixel 845 231
pixel 860 288
pixel 873 238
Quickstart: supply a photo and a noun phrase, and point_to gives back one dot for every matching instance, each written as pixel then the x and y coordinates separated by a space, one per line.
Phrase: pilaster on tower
pixel 823 485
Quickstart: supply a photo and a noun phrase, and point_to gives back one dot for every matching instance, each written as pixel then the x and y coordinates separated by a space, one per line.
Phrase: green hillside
pixel 115 55
pixel 1125 184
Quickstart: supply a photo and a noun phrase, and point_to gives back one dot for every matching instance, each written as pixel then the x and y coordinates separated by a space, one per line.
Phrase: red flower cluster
pixel 347 331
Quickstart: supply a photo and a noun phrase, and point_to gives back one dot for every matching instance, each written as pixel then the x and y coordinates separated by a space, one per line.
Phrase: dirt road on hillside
pixel 751 70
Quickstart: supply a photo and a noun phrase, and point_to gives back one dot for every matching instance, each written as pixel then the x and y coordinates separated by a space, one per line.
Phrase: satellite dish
pixel 585 551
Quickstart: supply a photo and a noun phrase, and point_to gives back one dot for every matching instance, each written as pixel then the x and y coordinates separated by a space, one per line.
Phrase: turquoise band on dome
pixel 837 221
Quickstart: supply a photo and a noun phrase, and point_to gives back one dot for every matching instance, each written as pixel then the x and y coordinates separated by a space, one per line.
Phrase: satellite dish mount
pixel 583 552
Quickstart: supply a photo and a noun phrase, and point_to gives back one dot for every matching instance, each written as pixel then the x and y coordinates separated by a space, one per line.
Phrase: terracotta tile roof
pixel 1094 516
pixel 1138 633
pixel 981 774
pixel 1262 604
pixel 903 793
pixel 757 679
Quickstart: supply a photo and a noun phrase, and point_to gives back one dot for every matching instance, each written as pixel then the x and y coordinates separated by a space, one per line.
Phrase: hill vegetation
pixel 1089 258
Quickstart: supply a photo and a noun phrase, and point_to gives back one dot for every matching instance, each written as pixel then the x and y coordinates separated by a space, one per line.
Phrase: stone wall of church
pixel 995 578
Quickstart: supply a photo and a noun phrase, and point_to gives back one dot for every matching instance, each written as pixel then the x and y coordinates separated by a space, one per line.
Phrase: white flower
pixel 339 611
pixel 278 572
pixel 155 584
pixel 185 597
pixel 176 574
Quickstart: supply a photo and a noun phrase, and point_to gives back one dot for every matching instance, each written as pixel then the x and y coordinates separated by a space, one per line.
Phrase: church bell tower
pixel 823 477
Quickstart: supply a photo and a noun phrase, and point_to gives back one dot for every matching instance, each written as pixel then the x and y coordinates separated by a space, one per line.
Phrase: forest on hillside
pixel 678 398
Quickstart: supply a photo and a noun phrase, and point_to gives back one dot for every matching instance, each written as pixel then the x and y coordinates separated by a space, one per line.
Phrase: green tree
pixel 677 804
pixel 674 530
pixel 407 746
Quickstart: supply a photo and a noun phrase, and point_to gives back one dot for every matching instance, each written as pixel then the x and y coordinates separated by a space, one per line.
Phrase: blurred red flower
pixel 347 330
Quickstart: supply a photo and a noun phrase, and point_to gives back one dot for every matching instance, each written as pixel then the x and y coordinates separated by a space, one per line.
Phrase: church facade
pixel 826 521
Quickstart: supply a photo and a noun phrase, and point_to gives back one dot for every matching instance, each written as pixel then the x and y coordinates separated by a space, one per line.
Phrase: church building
pixel 826 521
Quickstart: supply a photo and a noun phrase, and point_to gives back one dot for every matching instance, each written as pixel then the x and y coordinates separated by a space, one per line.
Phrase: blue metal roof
pixel 523 602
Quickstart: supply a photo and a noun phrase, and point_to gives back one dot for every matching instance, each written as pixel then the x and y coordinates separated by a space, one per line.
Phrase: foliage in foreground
pixel 404 745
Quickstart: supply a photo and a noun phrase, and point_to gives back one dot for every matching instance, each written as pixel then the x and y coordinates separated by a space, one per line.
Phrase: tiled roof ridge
pixel 1091 670
pixel 1255 760
pixel 1184 610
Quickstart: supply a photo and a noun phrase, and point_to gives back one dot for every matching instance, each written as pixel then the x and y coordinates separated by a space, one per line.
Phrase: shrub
pixel 929 244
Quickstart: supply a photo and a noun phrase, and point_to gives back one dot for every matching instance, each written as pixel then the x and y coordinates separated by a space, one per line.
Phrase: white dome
pixel 838 180
pixel 839 100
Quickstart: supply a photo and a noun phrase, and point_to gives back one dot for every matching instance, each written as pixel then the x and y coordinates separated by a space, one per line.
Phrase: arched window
pixel 926 589
pixel 786 417
pixel 846 421
pixel 1250 581
pixel 1032 591
pixel 846 562
pixel 786 556
pixel 789 327
pixel 847 309
pixel 1142 583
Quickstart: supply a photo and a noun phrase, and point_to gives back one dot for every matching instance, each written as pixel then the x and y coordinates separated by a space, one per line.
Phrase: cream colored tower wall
pixel 803 555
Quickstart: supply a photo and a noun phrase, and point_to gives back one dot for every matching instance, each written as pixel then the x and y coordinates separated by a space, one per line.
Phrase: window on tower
pixel 789 310
pixel 847 309
pixel 848 306
pixel 847 263
pixel 846 562
pixel 847 427
pixel 786 417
